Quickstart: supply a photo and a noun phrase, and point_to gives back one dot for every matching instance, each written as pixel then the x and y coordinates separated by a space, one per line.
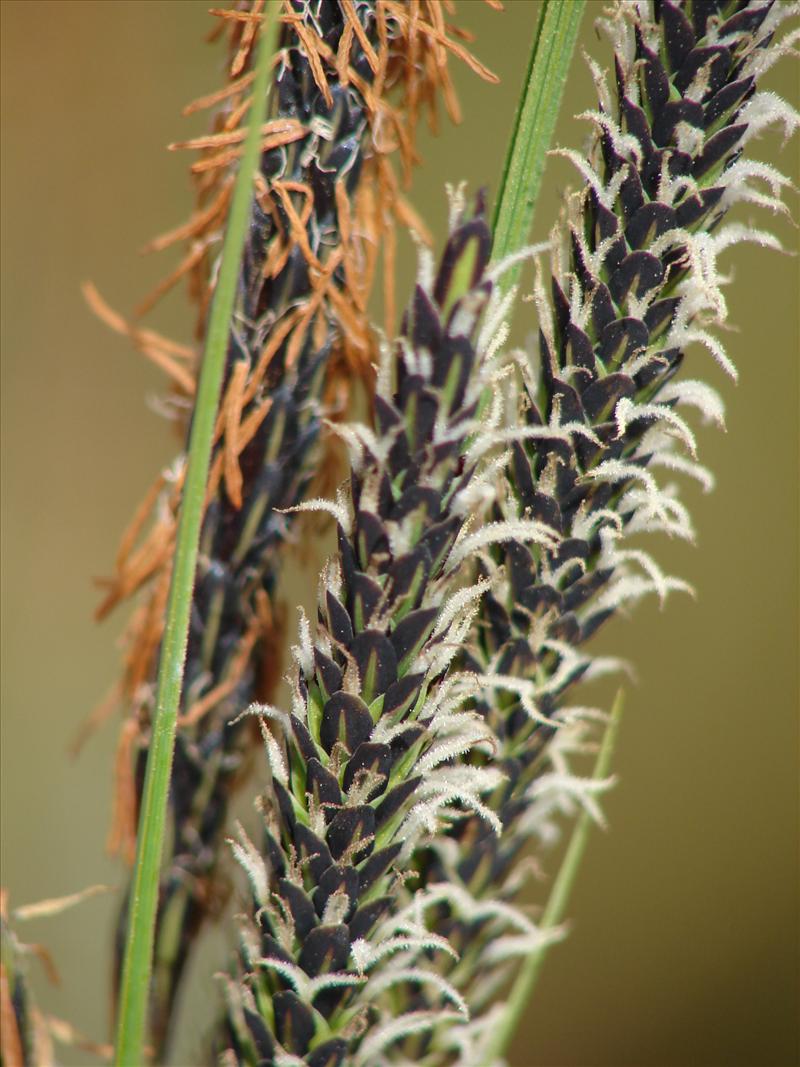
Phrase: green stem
pixel 520 996
pixel 551 52
pixel 137 966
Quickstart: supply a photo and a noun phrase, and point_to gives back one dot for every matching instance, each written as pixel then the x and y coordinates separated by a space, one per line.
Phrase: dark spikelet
pixel 356 771
pixel 299 343
pixel 633 283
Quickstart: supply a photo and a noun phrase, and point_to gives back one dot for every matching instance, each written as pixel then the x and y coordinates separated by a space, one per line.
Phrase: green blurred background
pixel 684 942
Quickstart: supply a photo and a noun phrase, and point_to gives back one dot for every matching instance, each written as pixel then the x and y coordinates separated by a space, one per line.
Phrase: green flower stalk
pixel 634 282
pixel 364 763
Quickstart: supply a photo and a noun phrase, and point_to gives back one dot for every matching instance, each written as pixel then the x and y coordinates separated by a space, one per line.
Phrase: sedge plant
pixel 490 522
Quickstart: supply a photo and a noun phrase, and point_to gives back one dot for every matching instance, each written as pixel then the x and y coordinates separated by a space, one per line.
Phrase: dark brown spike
pixel 401 696
pixel 374 759
pixel 328 1054
pixel 412 631
pixel 678 35
pixel 717 61
pixel 260 1036
pixel 394 801
pixel 463 263
pixel 600 399
pixel 321 785
pixel 340 879
pixel 639 273
pixel 329 675
pixel 345 719
pixel 366 917
pixel 721 145
pixel 377 662
pixel 365 599
pixel 325 949
pixel 649 222
pixel 373 868
pixel 312 851
pixel 723 102
pixel 339 624
pixel 351 832
pixel 301 908
pixel 294 1022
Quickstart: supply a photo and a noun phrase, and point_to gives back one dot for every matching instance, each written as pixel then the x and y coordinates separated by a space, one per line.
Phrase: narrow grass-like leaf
pixel 551 53
pixel 520 996
pixel 134 992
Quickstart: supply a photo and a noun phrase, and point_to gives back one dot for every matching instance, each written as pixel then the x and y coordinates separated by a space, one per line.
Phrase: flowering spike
pixel 634 281
pixel 375 728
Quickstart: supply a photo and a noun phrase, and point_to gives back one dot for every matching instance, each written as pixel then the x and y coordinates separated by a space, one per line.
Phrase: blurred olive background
pixel 684 942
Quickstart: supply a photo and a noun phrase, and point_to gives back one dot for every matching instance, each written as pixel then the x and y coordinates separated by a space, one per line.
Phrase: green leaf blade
pixel 548 66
